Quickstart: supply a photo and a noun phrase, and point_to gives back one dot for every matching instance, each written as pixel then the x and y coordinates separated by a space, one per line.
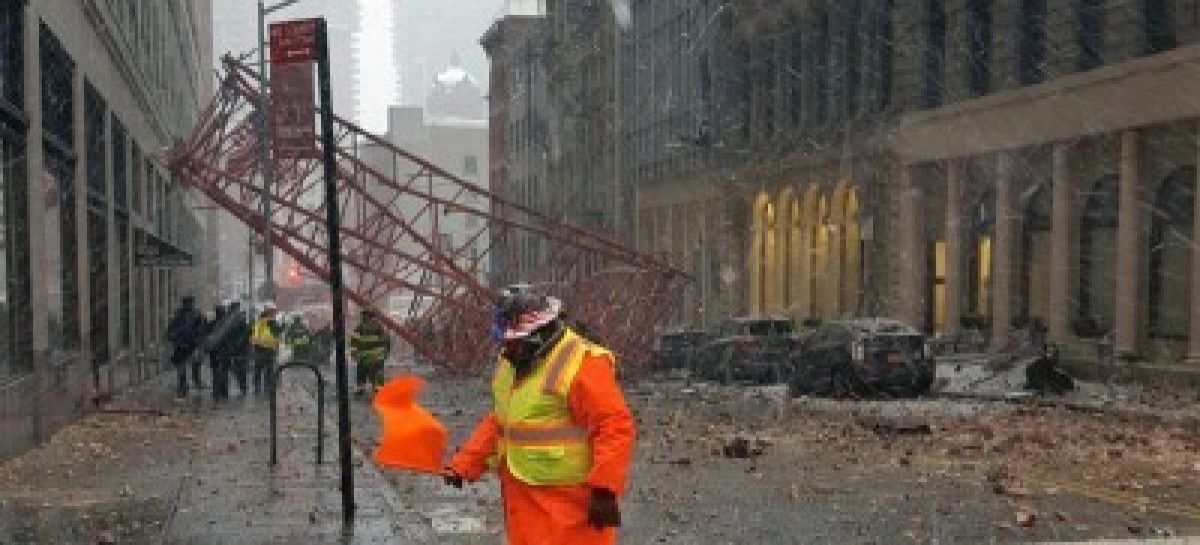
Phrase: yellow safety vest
pixel 262 336
pixel 538 441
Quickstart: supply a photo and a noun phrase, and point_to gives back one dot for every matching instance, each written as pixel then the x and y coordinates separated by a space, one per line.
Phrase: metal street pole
pixel 266 168
pixel 333 224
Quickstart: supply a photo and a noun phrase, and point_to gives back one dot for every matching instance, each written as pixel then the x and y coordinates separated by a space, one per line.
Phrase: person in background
pixel 185 332
pixel 265 337
pixel 301 340
pixel 213 343
pixel 370 347
pixel 235 346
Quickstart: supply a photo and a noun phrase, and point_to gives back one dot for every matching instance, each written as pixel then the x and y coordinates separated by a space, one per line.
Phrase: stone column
pixel 35 175
pixel 1193 358
pixel 1004 254
pixel 910 263
pixel 1126 325
pixel 955 251
pixel 1062 245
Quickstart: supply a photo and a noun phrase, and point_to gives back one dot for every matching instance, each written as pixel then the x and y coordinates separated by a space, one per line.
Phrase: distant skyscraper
pixel 376 72
pixel 429 33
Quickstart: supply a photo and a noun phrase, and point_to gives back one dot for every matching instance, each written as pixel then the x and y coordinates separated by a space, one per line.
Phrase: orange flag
pixel 412 438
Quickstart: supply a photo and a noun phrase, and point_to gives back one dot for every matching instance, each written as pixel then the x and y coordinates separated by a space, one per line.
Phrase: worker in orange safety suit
pixel 560 433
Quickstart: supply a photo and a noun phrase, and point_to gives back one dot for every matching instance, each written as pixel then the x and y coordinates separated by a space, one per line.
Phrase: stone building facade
pixel 957 164
pixel 92 95
pixel 519 126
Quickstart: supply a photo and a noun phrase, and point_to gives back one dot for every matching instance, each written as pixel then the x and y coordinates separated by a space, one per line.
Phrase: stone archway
pixel 1170 249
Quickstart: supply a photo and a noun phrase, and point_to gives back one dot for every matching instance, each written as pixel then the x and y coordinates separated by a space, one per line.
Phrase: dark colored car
pixel 754 349
pixel 676 348
pixel 862 357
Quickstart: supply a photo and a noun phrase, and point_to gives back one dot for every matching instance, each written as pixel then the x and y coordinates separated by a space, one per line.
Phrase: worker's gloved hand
pixel 603 511
pixel 452 479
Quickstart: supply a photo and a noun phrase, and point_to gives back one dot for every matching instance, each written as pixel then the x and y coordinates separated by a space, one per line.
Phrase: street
pixel 981 472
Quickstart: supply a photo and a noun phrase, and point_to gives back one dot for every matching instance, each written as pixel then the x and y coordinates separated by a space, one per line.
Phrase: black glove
pixel 452 478
pixel 603 511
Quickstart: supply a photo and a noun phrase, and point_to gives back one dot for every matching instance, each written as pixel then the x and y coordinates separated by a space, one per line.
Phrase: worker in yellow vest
pixel 370 347
pixel 560 433
pixel 264 339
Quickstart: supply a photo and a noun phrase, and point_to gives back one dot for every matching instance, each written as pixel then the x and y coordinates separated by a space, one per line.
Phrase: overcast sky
pixel 402 45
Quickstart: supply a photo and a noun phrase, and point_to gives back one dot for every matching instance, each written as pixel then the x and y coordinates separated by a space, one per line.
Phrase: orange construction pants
pixel 549 515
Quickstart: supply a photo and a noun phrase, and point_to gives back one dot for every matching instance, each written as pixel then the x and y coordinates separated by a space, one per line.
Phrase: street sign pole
pixel 295 45
pixel 333 224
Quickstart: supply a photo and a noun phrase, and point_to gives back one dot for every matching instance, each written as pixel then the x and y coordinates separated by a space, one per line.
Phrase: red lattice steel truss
pixel 395 207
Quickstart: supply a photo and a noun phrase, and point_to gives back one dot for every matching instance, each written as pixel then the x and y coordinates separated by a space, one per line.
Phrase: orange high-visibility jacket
pixel 537 515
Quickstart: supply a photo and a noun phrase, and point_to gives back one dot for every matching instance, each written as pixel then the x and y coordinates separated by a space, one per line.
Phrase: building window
pixel 1171 255
pixel 1032 45
pixel 121 174
pixel 1090 29
pixel 135 178
pixel 979 46
pixel 820 55
pixel 95 112
pixel 1034 289
pixel 884 34
pixel 58 129
pixel 471 165
pixel 767 81
pixel 1097 258
pixel 853 64
pixel 12 51
pixel 1159 25
pixel 796 67
pixel 933 66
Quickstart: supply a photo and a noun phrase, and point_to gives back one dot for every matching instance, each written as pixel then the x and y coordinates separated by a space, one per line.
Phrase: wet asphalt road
pixel 684 492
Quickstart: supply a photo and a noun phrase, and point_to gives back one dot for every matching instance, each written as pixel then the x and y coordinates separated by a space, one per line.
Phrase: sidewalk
pixel 165 471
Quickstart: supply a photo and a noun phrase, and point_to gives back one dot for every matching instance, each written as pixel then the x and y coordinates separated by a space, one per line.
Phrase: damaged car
pixel 863 357
pixel 675 349
pixel 753 349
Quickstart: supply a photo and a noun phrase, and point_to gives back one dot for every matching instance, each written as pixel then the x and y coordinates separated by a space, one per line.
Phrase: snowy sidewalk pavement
pixel 154 470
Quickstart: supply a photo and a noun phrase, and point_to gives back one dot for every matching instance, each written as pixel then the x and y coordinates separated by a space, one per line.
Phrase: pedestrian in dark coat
pixel 185 332
pixel 235 347
pixel 218 359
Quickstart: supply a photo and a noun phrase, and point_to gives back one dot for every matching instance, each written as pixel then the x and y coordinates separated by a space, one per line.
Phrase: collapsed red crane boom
pixel 394 208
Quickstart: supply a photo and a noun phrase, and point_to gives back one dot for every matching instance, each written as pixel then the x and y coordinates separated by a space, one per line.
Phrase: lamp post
pixel 266 169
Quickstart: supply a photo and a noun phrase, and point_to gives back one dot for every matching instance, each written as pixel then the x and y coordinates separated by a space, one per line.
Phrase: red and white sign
pixel 293 112
pixel 294 41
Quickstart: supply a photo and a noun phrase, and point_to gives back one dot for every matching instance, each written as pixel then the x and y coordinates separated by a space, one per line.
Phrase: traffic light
pixel 294 273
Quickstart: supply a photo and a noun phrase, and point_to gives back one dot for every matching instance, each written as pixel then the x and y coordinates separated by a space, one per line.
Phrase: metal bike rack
pixel 276 374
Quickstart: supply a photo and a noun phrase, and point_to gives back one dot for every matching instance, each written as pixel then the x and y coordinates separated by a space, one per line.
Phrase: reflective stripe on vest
pixel 544 435
pixel 539 442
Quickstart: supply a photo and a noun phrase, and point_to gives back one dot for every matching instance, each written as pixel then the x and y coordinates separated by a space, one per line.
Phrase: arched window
pixel 1171 255
pixel 933 65
pixel 1035 253
pixel 981 240
pixel 1097 258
